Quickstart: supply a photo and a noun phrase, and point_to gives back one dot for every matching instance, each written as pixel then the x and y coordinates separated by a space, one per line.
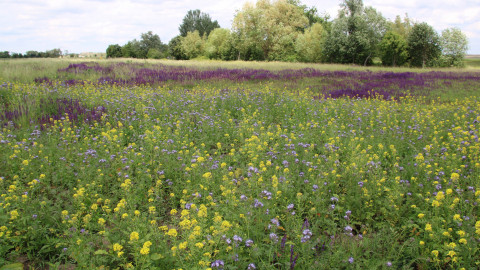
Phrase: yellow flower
pixel 25 162
pixel 202 212
pixel 457 217
pixel 117 247
pixel 182 245
pixel 461 233
pixel 147 244
pixel 422 243
pixel 173 212
pixel 428 227
pixel 144 251
pixel 134 236
pixel 421 215
pixel 14 214
pixel 435 253
pixel 462 241
pixel 199 245
pixel 207 175
pixel 101 221
pixel 172 232
pixel 454 176
pixel 226 225
pixel 451 253
pixel 440 196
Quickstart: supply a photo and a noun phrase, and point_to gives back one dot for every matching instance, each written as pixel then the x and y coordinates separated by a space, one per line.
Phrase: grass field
pixel 212 165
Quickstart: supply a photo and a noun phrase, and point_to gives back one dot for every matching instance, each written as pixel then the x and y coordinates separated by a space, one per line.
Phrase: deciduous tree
pixel 193 44
pixel 393 49
pixel 114 50
pixel 423 45
pixel 309 45
pixel 217 43
pixel 270 28
pixel 195 20
pixel 454 45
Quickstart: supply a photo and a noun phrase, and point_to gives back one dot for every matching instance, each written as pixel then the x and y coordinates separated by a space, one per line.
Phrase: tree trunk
pixel 365 63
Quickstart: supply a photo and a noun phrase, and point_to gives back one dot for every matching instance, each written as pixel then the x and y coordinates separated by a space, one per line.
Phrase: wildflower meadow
pixel 136 165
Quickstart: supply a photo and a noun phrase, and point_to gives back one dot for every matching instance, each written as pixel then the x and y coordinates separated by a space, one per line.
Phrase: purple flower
pixel 389 264
pixel 249 243
pixel 350 260
pixel 360 184
pixel 257 204
pixel 274 237
pixel 306 235
pixel 237 238
pixel 251 266
pixel 275 221
pixel 217 264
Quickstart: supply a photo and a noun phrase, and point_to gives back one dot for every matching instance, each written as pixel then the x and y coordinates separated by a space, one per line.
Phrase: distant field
pixel 134 164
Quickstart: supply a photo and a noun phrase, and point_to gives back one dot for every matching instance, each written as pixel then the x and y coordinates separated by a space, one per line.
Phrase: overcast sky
pixel 91 25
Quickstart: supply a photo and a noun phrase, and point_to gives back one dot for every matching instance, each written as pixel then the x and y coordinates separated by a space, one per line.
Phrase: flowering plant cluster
pixel 147 177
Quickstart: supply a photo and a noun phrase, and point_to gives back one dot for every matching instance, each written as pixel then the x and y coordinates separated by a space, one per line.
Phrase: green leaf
pixel 13 266
pixel 101 252
pixel 156 256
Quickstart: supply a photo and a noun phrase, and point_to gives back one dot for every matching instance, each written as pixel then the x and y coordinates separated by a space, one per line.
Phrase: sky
pixel 77 26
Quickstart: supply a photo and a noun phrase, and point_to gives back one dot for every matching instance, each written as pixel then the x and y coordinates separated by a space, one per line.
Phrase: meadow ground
pixel 233 165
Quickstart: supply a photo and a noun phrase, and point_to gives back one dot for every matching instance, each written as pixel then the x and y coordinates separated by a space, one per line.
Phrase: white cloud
pixel 91 25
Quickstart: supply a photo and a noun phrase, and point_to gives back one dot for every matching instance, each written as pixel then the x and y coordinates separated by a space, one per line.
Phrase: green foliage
pixel 393 49
pixel 114 51
pixel 131 49
pixel 270 28
pixel 355 34
pixel 195 20
pixel 193 44
pixel 454 45
pixel 217 43
pixel 400 27
pixel 309 45
pixel 150 41
pixel 5 54
pixel 155 54
pixel 423 45
pixel 175 48
pixel 140 49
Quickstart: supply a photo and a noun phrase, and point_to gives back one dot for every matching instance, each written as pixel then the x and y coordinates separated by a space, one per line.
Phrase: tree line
pixel 287 30
pixel 54 53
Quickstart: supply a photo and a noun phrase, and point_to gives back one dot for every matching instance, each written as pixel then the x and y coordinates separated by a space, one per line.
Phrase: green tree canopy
pixel 268 30
pixel 423 45
pixel 114 50
pixel 309 45
pixel 193 44
pixel 355 34
pixel 393 49
pixel 175 48
pixel 195 20
pixel 217 43
pixel 454 45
